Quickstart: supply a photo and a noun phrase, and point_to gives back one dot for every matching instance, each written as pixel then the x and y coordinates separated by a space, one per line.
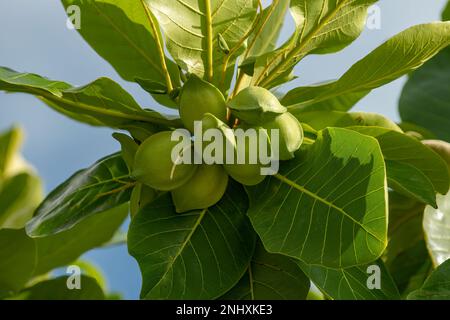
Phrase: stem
pixel 159 46
pixel 237 85
pixel 250 277
pixel 209 35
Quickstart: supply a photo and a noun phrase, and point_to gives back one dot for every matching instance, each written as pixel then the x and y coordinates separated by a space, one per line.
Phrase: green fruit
pixel 153 165
pixel 203 190
pixel 209 121
pixel 256 105
pixel 290 133
pixel 373 120
pixel 248 174
pixel 199 97
pixel 440 147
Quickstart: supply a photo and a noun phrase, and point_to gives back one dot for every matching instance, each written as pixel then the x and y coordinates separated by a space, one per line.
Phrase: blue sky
pixel 33 38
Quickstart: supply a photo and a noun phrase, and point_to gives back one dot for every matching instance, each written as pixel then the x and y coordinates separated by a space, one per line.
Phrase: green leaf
pixel 329 205
pixel 126 35
pixel 425 100
pixel 91 270
pixel 129 148
pixel 17 260
pixel 411 182
pixel 64 248
pixel 436 287
pixel 352 283
pixel 405 223
pixel 411 49
pixel 103 186
pixel 267 31
pixel 159 91
pixel 401 148
pixel 14 81
pixel 197 255
pixel 406 256
pixel 140 197
pixel 100 103
pixel 322 26
pixel 19 197
pixel 446 13
pixel 10 143
pixel 417 131
pixel 308 98
pixel 270 277
pixel 20 189
pixel 411 268
pixel 263 38
pixel 56 289
pixel 191 29
pixel 436 224
pixel 322 119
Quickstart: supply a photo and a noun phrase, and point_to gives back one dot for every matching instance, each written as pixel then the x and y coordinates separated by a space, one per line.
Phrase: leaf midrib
pixel 180 251
pixel 106 112
pixel 326 202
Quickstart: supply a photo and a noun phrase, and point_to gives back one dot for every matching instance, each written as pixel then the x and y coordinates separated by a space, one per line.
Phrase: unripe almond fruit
pixel 290 133
pixel 256 105
pixel 249 172
pixel 153 165
pixel 199 97
pixel 203 190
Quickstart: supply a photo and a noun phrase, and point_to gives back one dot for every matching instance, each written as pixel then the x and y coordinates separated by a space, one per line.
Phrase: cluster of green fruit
pixel 199 186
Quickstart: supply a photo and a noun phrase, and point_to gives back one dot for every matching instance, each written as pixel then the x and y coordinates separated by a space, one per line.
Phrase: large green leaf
pixel 56 289
pixel 411 268
pixel 398 147
pixel 198 255
pixel 100 103
pixel 17 260
pixel 410 181
pixel 406 256
pixel 405 224
pixel 352 283
pixel 270 277
pixel 101 187
pixel 405 52
pixel 322 26
pixel 329 205
pixel 436 287
pixel 65 247
pixel 192 30
pixel 126 35
pixel 436 224
pixel 20 195
pixel 425 99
